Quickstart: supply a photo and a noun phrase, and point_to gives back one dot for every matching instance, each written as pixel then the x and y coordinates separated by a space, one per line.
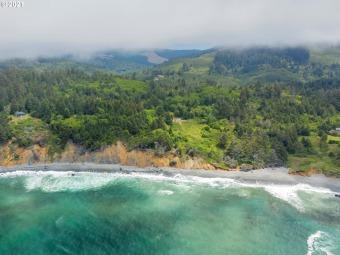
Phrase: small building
pixel 335 132
pixel 19 114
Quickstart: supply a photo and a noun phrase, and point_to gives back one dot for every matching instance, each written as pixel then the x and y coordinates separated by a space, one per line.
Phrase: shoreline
pixel 267 176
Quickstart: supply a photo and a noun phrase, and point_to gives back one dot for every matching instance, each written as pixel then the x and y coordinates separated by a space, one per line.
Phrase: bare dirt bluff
pixel 11 154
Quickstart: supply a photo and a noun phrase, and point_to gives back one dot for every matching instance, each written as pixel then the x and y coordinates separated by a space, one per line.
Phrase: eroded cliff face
pixel 11 154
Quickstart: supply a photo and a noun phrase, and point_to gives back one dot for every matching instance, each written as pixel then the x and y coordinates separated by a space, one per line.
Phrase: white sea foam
pixel 319 241
pixel 286 193
pixel 53 181
pixel 214 182
pixel 290 193
pixel 68 182
pixel 165 192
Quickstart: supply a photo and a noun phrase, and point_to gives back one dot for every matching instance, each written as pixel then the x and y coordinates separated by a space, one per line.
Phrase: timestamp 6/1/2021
pixel 10 4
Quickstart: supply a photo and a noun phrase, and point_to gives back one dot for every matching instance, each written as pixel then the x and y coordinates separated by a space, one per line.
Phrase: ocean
pixel 63 212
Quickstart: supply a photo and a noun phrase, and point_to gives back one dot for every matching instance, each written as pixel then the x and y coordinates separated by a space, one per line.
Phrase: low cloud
pixel 44 27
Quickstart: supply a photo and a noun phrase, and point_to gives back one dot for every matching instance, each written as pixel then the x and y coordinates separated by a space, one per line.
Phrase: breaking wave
pixel 319 242
pixel 56 181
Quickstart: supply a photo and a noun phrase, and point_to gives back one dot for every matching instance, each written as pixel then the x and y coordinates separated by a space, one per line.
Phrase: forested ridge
pixel 257 125
pixel 295 61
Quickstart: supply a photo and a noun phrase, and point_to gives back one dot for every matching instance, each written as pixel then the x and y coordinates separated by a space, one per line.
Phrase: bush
pixel 24 143
pixel 223 141
pixel 190 152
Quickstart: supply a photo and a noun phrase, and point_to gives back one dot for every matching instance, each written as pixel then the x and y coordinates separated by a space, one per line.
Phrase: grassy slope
pixel 319 160
pixel 199 68
pixel 204 140
pixel 28 130
pixel 197 65
pixel 200 138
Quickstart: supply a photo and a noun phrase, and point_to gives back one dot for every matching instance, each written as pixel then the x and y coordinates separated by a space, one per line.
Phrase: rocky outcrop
pixel 246 167
pixel 11 154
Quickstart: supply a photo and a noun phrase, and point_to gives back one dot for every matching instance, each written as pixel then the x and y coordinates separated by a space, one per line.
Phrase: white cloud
pixel 61 26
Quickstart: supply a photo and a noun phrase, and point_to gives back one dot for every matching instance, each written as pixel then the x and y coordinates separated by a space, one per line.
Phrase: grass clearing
pixel 199 137
pixel 334 138
pixel 320 160
pixel 28 130
pixel 312 162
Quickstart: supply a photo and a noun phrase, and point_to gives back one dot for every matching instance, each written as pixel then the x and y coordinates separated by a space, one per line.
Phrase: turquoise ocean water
pixel 113 213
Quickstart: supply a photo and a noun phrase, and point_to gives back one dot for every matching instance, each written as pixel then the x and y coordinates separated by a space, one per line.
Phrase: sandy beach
pixel 267 176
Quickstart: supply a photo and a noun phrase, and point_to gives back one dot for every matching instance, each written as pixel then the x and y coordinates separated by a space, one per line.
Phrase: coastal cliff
pixel 11 154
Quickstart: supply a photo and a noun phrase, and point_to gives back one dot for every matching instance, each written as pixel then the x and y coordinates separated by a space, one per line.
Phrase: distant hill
pixel 172 54
pixel 116 61
pixel 123 61
pixel 326 55
pixel 258 64
pixel 119 61
pixel 295 64
pixel 154 58
pixel 48 64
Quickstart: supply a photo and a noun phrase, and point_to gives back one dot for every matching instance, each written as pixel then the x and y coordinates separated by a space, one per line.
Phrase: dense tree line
pixel 249 60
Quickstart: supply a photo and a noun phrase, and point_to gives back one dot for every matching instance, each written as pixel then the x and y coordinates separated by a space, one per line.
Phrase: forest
pixel 260 124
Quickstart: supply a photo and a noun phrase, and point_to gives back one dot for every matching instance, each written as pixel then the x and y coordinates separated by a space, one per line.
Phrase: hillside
pixel 265 65
pixel 325 55
pixel 186 113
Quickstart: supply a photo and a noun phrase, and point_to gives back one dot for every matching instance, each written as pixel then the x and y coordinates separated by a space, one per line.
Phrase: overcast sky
pixel 62 26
